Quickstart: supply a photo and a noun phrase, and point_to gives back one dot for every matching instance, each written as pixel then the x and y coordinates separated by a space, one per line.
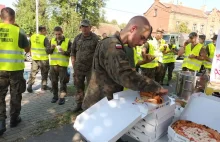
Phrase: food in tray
pixel 195 132
pixel 180 102
pixel 149 97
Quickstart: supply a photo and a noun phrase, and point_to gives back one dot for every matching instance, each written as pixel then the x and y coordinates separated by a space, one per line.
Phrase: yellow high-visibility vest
pixel 153 63
pixel 169 57
pixel 11 55
pixel 57 58
pixel 38 50
pixel 211 47
pixel 192 64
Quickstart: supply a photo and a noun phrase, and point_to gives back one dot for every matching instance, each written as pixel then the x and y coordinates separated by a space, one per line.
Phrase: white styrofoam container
pixel 107 121
pixel 153 131
pixel 130 96
pixel 201 109
pixel 160 115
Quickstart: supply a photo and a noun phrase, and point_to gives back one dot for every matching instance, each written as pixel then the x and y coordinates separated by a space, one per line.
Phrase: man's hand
pixel 147 57
pixel 192 56
pixel 53 46
pixel 162 92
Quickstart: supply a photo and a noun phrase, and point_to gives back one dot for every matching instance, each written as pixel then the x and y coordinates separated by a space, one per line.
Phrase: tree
pixel 182 28
pixel 122 26
pixel 64 15
pixel 25 14
pixel 114 22
pixel 90 9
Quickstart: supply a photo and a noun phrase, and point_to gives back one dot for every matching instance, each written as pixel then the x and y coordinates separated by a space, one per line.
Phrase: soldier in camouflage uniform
pixel 111 69
pixel 11 67
pixel 82 52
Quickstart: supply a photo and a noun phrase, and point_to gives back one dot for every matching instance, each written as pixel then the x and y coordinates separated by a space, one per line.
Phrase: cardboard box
pixel 145 108
pixel 160 115
pixel 107 121
pixel 201 109
pixel 153 131
pixel 142 137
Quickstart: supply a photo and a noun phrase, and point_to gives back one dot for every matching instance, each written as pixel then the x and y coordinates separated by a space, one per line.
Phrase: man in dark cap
pixel 210 49
pixel 157 42
pixel 82 52
pixel 194 54
pixel 202 39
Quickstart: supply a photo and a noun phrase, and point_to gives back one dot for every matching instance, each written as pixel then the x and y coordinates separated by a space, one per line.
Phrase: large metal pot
pixel 186 82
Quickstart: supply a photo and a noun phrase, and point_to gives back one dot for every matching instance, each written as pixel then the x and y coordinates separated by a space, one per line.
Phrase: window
pixel 177 23
pixel 213 19
pixel 155 12
pixel 194 28
pixel 211 30
pixel 201 29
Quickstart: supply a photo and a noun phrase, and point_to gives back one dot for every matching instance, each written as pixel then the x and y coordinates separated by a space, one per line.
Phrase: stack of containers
pixel 154 125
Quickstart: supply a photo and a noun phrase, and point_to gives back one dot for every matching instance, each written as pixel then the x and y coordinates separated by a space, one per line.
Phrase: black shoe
pixel 54 100
pixel 61 101
pixel 45 87
pixel 78 108
pixel 15 122
pixel 29 89
pixel 2 127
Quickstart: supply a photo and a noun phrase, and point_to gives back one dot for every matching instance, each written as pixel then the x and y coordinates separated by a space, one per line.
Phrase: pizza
pixel 149 97
pixel 195 132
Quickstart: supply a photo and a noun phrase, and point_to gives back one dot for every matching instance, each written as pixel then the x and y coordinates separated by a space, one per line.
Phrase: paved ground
pixel 36 107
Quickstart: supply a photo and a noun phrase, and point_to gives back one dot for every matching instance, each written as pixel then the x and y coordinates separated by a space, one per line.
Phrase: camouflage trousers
pixel 148 72
pixel 58 73
pixel 170 67
pixel 79 83
pixel 159 72
pixel 44 67
pixel 15 80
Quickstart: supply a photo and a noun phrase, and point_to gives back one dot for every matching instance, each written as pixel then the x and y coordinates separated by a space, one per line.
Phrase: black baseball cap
pixel 214 37
pixel 85 23
pixel 192 34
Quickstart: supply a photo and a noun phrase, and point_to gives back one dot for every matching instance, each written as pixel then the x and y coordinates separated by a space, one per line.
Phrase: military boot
pixel 45 87
pixel 29 88
pixel 15 121
pixel 78 107
pixel 2 127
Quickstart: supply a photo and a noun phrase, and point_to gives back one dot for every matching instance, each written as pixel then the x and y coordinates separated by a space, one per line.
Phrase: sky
pixel 123 10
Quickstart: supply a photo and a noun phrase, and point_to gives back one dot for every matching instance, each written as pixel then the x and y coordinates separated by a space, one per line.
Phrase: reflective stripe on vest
pixel 153 63
pixel 57 58
pixel 193 64
pixel 38 50
pixel 11 55
pixel 170 57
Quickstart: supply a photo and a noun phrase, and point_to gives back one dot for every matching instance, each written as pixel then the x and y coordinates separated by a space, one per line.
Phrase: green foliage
pixel 122 26
pixel 182 28
pixel 114 22
pixel 25 13
pixel 90 9
pixel 64 13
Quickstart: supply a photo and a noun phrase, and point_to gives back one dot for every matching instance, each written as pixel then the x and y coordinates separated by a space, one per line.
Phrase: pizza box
pixel 107 121
pixel 201 109
pixel 130 96
pixel 160 115
pixel 153 131
pixel 142 137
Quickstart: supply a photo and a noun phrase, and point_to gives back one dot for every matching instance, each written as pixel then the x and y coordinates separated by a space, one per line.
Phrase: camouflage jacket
pixel 83 49
pixel 111 72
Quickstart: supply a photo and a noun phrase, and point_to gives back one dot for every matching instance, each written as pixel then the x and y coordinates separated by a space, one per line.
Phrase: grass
pixel 59 120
